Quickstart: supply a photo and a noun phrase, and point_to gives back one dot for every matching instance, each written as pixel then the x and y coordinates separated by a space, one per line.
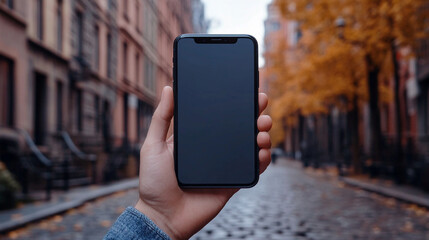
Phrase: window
pixel 109 56
pixel 125 10
pixel 40 115
pixel 125 117
pixel 137 16
pixel 59 25
pixel 97 113
pixel 144 116
pixel 106 118
pixel 272 26
pixel 124 62
pixel 97 48
pixel 79 106
pixel 137 68
pixel 39 19
pixel 59 106
pixel 79 22
pixel 149 74
pixel 6 92
pixel 9 3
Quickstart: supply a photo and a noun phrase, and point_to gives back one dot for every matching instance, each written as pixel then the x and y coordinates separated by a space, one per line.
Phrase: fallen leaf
pixel 376 230
pixel 408 227
pixel 390 202
pixel 78 227
pixel 57 219
pixel 16 216
pixel 105 223
pixel 120 210
pixel 12 235
pixel 71 211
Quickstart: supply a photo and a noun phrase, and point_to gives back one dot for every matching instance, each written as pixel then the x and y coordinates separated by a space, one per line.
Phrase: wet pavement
pixel 287 203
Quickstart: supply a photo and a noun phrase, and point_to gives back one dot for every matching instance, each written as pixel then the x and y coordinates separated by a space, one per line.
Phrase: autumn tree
pixel 364 29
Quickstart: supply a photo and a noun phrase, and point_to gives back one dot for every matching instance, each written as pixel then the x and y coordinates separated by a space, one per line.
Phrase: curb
pixel 421 201
pixel 62 207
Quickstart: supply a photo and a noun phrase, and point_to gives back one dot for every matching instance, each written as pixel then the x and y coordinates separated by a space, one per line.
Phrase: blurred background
pixel 348 83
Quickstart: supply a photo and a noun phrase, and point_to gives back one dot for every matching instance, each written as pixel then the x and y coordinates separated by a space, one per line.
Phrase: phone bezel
pixel 212 39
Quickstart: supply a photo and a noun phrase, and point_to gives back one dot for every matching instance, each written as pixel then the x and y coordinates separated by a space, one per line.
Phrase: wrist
pixel 159 219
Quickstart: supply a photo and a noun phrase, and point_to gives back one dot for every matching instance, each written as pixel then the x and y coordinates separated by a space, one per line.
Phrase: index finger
pixel 263 102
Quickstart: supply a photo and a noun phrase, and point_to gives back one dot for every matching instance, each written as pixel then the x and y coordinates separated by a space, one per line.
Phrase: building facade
pixel 199 21
pixel 136 88
pixel 93 69
pixel 13 65
pixel 174 18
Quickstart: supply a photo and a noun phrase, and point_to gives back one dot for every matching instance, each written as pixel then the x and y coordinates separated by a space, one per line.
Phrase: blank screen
pixel 215 112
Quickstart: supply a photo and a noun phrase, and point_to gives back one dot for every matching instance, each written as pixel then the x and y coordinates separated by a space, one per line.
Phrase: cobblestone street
pixel 288 203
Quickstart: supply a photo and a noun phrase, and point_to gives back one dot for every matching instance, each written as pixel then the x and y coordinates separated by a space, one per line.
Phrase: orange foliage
pixel 328 67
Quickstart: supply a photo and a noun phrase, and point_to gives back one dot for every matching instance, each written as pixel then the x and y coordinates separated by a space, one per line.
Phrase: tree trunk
pixel 399 160
pixel 374 111
pixel 353 129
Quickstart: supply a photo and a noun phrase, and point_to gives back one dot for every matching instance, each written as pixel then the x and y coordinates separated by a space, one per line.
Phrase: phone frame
pixel 216 39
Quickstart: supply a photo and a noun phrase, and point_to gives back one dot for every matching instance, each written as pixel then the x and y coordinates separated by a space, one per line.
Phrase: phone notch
pixel 215 40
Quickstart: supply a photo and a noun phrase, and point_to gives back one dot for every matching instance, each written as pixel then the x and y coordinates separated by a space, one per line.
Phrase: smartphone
pixel 215 86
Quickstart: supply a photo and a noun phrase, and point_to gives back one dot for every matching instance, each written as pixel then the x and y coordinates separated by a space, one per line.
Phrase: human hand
pixel 182 212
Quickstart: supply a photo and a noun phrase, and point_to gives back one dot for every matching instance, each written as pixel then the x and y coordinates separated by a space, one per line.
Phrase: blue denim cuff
pixel 132 224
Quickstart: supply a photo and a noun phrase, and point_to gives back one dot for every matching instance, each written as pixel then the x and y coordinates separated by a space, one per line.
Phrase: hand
pixel 182 212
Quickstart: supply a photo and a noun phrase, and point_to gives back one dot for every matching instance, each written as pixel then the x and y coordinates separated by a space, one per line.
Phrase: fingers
pixel 263 102
pixel 264 159
pixel 264 123
pixel 263 140
pixel 161 117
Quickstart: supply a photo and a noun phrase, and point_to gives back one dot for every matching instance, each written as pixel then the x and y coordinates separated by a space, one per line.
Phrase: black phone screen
pixel 215 112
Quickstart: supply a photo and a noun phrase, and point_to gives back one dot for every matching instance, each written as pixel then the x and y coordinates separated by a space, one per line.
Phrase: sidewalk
pixel 386 188
pixel 14 218
pixel 404 193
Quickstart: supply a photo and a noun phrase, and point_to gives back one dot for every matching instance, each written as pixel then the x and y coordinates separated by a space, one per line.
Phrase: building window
pixel 9 3
pixel 150 30
pixel 97 48
pixel 149 74
pixel 59 106
pixel 79 21
pixel 137 16
pixel 144 116
pixel 59 25
pixel 125 10
pixel 137 68
pixel 39 19
pixel 97 113
pixel 109 56
pixel 79 106
pixel 6 92
pixel 124 62
pixel 40 102
pixel 106 119
pixel 125 118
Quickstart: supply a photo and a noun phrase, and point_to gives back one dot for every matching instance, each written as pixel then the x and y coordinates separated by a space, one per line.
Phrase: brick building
pixel 94 69
pixel 13 65
pixel 136 88
pixel 174 18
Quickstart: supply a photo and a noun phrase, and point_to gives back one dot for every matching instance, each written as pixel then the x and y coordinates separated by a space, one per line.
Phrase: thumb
pixel 161 117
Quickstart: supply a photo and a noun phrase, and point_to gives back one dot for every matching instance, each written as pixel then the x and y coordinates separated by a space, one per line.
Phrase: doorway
pixel 40 108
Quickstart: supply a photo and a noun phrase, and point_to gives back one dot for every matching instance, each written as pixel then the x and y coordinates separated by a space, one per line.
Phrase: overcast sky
pixel 238 16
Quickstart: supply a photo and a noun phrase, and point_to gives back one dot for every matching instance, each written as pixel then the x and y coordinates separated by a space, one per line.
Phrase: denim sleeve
pixel 132 224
